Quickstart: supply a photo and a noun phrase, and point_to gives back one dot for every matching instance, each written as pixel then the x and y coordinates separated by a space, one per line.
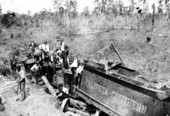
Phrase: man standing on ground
pixel 35 69
pixel 21 80
pixel 32 46
pixel 13 62
pixel 58 43
pixel 45 50
pixel 37 54
pixel 44 47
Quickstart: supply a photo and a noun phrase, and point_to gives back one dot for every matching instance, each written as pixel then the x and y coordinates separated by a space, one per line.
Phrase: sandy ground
pixel 37 103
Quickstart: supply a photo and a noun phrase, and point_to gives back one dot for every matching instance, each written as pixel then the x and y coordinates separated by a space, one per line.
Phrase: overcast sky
pixel 22 6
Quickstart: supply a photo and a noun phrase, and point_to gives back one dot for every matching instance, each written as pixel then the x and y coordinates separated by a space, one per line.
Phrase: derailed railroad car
pixel 120 94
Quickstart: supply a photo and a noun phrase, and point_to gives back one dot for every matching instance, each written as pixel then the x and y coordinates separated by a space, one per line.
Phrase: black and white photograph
pixel 84 57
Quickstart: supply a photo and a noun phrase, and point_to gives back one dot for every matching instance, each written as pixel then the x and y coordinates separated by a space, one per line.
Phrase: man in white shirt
pixel 65 54
pixel 73 67
pixel 36 71
pixel 44 47
pixel 78 74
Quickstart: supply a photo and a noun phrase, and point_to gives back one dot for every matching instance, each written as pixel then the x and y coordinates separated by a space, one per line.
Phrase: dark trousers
pixel 47 70
pixel 36 76
pixel 60 99
pixel 78 80
pixel 21 85
pixel 64 56
pixel 73 70
pixel 21 88
pixel 68 81
pixel 13 66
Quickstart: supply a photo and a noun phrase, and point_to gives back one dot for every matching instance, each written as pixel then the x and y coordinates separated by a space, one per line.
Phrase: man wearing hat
pixel 78 74
pixel 64 55
pixel 44 47
pixel 37 54
pixel 45 50
pixel 58 43
pixel 73 67
pixel 32 44
pixel 60 46
pixel 13 62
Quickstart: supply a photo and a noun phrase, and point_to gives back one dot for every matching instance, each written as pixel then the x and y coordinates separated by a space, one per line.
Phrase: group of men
pixel 45 62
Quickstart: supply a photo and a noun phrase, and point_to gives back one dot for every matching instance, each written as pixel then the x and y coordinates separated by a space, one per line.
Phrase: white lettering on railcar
pixel 123 100
pixel 96 86
pixel 129 102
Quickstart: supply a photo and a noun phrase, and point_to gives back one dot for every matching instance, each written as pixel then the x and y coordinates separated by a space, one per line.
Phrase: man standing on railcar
pixel 78 74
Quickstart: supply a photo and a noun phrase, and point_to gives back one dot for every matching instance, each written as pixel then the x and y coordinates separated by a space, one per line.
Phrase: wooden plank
pixel 48 85
pixel 78 104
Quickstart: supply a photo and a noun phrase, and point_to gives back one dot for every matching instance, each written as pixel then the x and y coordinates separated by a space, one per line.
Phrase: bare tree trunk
pixel 153 16
pixel 168 12
pixel 138 25
pixel 68 19
pixel 0 20
pixel 99 11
